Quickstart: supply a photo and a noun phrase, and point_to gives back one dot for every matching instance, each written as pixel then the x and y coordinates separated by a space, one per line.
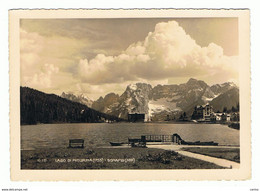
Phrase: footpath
pixel 218 161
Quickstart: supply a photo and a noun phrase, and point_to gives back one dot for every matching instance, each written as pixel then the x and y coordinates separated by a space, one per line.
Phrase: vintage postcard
pixel 130 94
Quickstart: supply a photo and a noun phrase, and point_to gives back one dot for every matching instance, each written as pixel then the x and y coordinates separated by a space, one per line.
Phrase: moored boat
pixel 115 144
pixel 211 143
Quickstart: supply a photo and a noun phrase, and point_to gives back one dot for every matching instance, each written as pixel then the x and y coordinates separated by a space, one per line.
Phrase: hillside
pixel 38 107
pixel 228 99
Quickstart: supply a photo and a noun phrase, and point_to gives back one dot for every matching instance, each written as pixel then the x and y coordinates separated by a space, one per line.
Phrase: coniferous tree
pixel 38 107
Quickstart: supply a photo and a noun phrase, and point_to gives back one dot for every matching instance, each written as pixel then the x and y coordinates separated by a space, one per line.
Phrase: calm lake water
pixel 100 134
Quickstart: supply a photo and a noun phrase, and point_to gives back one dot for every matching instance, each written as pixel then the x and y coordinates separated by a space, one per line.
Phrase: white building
pixel 207 112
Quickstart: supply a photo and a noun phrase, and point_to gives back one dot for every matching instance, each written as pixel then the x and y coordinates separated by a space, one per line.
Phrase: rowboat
pixel 115 144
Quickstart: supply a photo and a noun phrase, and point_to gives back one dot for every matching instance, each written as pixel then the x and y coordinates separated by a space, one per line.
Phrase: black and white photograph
pixel 132 93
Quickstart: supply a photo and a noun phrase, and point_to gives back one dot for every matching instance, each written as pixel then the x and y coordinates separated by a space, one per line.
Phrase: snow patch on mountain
pixel 133 87
pixel 161 100
pixel 208 99
pixel 80 98
pixel 162 104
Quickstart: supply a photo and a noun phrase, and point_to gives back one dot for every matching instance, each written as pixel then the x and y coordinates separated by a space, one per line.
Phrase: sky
pixel 98 56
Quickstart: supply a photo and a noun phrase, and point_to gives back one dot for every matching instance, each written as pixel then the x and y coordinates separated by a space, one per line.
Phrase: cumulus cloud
pixel 44 60
pixel 95 91
pixel 166 52
pixel 55 63
pixel 42 79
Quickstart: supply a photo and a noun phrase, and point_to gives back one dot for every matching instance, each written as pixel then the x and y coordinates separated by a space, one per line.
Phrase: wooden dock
pixel 175 138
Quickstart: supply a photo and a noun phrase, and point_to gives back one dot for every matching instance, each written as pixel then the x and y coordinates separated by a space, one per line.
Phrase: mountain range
pixel 163 100
pixel 39 107
pixel 78 98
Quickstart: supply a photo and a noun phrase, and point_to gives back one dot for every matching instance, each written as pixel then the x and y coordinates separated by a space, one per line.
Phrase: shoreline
pixel 160 122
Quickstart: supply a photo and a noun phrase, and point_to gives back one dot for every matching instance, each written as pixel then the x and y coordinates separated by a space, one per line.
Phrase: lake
pixel 100 134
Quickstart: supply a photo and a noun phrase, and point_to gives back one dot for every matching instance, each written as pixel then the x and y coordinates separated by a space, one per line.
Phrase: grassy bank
pixel 109 158
pixel 232 154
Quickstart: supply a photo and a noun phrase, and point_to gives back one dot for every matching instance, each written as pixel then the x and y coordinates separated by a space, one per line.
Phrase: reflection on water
pixel 100 134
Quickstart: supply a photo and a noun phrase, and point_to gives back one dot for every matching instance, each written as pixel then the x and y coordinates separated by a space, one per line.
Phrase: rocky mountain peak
pixel 63 94
pixel 111 98
pixel 163 100
pixel 230 84
pixel 193 83
pixel 111 95
pixel 139 86
pixel 100 98
pixel 81 98
pixel 222 88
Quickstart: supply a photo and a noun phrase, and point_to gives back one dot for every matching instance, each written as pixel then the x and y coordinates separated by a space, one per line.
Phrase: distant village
pixel 201 114
pixel 206 114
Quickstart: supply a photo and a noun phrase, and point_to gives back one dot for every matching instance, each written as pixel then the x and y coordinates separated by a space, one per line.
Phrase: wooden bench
pixel 76 143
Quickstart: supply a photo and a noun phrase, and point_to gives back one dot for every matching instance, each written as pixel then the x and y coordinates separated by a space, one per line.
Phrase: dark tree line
pixel 38 107
pixel 233 109
pixel 183 117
